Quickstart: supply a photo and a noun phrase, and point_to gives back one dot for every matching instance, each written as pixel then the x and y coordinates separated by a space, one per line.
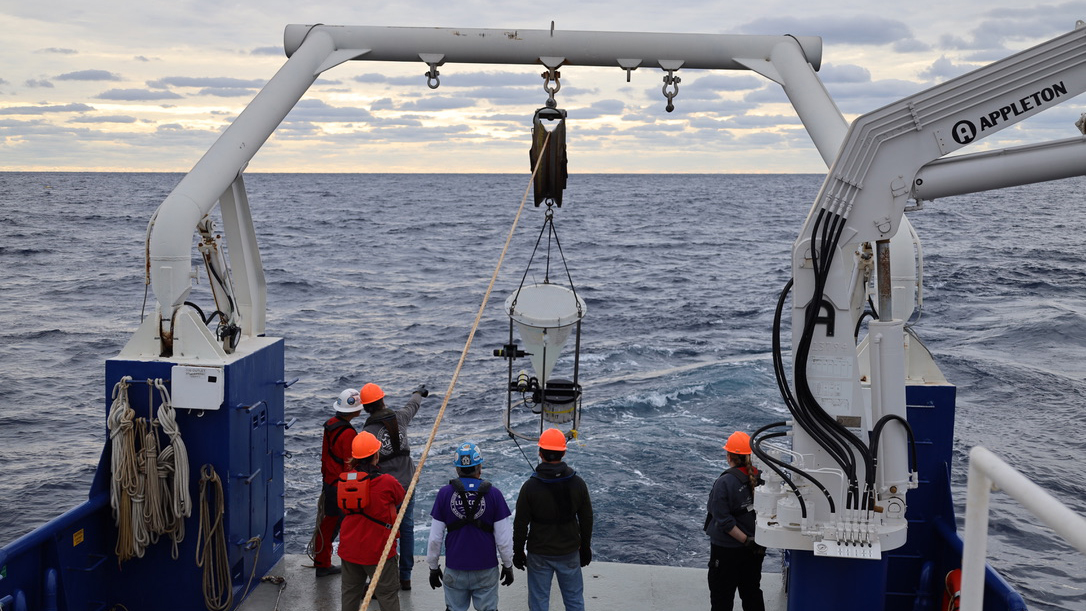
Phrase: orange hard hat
pixel 365 445
pixel 552 439
pixel 738 443
pixel 370 393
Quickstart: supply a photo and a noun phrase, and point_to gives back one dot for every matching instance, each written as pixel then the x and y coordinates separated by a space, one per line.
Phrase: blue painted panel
pixel 242 441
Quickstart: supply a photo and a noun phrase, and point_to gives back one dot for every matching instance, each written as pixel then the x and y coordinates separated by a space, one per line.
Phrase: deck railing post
pixel 986 469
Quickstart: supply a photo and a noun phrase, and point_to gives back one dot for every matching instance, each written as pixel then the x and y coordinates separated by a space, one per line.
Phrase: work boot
pixel 323 571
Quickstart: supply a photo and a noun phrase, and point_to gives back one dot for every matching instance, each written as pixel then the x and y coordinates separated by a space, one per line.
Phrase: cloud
pixel 836 29
pixel 226 93
pixel 844 73
pixel 136 95
pixel 36 110
pixel 601 108
pixel 276 51
pixel 88 75
pixel 943 69
pixel 437 103
pixel 103 119
pixel 206 82
pixel 57 50
pixel 317 111
pixel 39 83
pixel 724 82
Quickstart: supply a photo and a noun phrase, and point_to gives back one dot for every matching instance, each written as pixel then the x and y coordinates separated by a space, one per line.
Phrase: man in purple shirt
pixel 472 518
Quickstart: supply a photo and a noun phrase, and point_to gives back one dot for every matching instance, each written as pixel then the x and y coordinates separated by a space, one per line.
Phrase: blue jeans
pixel 407 541
pixel 568 570
pixel 466 587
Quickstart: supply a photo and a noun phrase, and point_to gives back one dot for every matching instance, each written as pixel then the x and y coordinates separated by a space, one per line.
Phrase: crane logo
pixel 964 131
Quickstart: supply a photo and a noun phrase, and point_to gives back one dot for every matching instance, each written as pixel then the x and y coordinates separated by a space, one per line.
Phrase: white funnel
pixel 544 315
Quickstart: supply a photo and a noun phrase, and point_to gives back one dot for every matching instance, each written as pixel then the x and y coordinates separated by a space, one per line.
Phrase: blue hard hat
pixel 468 455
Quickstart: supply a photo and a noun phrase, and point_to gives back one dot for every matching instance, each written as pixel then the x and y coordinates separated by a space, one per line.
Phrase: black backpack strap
pixel 470 508
pixel 335 428
pixel 375 520
pixel 392 426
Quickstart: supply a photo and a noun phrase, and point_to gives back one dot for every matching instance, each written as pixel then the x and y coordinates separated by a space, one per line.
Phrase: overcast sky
pixel 118 85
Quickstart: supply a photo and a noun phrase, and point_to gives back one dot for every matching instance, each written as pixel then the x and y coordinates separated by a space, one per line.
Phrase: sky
pixel 117 85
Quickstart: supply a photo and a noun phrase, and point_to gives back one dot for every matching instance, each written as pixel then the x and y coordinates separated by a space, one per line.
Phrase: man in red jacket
pixel 365 531
pixel 339 433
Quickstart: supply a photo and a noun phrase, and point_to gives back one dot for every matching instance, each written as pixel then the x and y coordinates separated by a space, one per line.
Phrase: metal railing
pixel 986 469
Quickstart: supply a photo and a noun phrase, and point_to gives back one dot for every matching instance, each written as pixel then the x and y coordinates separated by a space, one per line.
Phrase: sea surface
pixel 378 278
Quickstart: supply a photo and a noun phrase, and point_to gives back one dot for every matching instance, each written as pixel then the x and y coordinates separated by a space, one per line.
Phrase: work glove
pixel 422 391
pixel 507 575
pixel 435 578
pixel 752 545
pixel 519 559
pixel 586 556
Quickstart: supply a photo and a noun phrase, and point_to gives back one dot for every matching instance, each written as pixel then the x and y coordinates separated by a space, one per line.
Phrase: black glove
pixel 507 575
pixel 757 550
pixel 586 556
pixel 435 578
pixel 519 559
pixel 422 391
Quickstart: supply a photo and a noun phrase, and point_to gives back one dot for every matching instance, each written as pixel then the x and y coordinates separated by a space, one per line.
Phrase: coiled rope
pixel 123 469
pixel 173 472
pixel 452 385
pixel 211 543
pixel 149 487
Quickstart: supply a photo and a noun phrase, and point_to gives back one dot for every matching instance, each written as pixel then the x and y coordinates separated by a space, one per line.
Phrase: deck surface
pixel 609 586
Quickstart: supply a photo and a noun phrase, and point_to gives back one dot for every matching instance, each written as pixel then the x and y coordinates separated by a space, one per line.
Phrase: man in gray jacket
pixel 390 428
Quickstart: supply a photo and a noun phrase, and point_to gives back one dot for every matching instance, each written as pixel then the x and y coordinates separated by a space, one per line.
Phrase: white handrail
pixel 985 469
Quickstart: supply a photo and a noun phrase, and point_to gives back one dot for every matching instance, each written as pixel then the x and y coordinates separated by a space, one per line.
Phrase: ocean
pixel 378 278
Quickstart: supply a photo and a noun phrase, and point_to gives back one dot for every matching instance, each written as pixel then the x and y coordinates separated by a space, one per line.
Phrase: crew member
pixel 735 559
pixel 390 428
pixel 554 519
pixel 366 528
pixel 335 452
pixel 476 517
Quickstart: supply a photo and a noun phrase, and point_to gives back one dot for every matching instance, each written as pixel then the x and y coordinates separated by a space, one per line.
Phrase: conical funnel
pixel 544 315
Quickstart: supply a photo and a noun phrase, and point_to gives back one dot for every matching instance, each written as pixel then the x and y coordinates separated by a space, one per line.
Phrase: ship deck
pixel 609 586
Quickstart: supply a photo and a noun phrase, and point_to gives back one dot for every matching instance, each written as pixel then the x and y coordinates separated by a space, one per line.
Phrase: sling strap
pixel 470 508
pixel 392 427
pixel 335 428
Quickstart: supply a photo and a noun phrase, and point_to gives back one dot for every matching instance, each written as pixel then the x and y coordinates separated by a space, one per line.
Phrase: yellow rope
pixel 448 393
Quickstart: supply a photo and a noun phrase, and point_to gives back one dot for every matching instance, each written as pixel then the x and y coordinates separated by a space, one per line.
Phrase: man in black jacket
pixel 554 519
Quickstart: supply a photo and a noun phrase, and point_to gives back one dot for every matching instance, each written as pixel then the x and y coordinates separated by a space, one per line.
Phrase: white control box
pixel 197 387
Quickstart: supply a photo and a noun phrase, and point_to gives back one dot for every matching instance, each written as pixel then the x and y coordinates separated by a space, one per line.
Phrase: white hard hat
pixel 348 402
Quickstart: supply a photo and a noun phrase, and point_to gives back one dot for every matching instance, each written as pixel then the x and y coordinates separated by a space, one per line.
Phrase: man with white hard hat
pixel 339 433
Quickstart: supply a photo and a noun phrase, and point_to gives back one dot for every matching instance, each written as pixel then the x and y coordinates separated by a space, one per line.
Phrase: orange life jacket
pixel 353 491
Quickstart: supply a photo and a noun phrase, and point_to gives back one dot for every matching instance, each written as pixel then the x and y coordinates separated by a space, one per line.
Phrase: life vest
pixel 332 430
pixel 952 591
pixel 470 508
pixel 353 494
pixel 392 427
